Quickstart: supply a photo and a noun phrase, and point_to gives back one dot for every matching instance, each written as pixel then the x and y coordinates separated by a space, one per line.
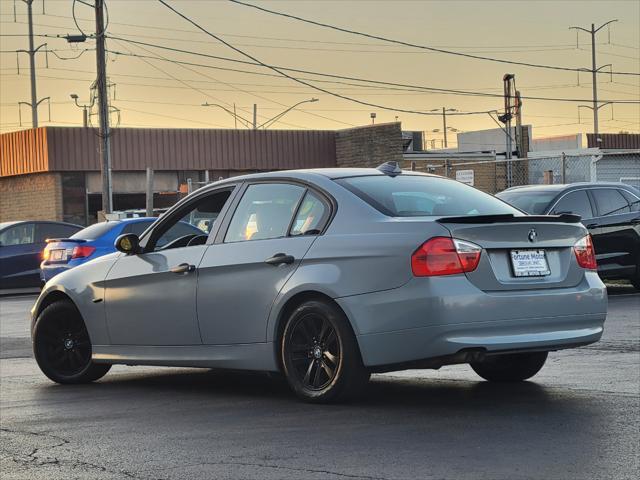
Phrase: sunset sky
pixel 159 93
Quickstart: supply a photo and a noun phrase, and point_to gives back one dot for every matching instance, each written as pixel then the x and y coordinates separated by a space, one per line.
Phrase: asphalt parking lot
pixel 578 419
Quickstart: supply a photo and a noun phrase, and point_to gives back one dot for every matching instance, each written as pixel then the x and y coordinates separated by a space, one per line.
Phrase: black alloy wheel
pixel 320 355
pixel 314 350
pixel 62 346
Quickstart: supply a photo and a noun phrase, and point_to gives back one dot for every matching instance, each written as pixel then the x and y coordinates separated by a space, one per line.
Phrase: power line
pixel 408 44
pixel 342 77
pixel 202 91
pixel 303 82
pixel 313 41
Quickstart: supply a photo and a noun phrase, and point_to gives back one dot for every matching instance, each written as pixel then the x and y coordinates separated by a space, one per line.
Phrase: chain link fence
pixel 493 176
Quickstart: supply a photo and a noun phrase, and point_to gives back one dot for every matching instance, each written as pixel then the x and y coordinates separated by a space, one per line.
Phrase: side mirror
pixel 127 243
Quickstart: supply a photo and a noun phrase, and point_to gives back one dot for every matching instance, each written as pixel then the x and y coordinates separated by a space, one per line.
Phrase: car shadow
pixel 382 392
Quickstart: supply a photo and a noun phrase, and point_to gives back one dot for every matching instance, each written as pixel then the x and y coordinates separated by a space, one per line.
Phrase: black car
pixel 21 245
pixel 611 212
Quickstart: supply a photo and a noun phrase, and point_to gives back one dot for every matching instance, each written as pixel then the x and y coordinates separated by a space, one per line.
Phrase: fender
pixel 85 288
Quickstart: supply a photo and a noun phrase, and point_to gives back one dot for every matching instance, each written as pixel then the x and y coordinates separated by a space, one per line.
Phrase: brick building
pixel 53 173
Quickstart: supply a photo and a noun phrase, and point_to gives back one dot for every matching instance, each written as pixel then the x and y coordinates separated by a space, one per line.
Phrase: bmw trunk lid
pixel 521 252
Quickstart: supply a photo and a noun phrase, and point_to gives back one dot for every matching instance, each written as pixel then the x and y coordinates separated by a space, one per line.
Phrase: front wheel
pixel 320 355
pixel 513 367
pixel 62 347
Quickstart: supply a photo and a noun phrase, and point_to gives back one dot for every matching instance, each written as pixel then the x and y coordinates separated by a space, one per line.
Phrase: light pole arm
pixel 273 120
pixel 246 122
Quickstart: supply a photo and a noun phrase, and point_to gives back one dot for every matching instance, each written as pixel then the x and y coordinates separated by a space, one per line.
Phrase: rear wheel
pixel 320 355
pixel 62 347
pixel 513 367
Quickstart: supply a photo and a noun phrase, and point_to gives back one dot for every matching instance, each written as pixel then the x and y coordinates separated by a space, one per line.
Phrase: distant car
pixel 21 245
pixel 329 275
pixel 95 241
pixel 610 211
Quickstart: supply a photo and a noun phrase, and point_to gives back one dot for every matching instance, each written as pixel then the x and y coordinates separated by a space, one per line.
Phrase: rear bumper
pixel 439 317
pixel 47 272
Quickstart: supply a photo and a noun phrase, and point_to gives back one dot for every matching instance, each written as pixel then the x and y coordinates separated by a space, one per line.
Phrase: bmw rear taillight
pixel 445 256
pixel 82 251
pixel 585 253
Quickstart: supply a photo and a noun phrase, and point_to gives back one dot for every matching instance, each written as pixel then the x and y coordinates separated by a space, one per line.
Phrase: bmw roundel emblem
pixel 533 235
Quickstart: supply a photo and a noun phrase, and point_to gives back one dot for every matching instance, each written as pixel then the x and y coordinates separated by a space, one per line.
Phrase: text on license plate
pixel 529 263
pixel 58 255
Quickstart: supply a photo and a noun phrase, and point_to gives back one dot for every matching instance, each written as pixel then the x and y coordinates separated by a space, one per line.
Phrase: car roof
pixel 4 225
pixel 136 219
pixel 559 187
pixel 312 174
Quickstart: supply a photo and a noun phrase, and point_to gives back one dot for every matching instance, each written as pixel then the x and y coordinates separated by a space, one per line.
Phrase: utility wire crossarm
pixel 595 70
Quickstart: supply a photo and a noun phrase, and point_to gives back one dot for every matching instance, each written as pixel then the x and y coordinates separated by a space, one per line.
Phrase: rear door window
pixel 634 202
pixel 417 195
pixel 265 212
pixel 22 234
pixel 311 217
pixel 574 202
pixel 610 201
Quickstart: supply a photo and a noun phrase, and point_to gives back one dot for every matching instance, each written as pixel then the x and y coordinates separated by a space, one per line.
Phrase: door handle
pixel 183 268
pixel 592 225
pixel 279 259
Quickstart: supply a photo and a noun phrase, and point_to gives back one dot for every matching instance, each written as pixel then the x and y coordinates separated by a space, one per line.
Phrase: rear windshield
pixel 416 195
pixel 94 231
pixel 534 203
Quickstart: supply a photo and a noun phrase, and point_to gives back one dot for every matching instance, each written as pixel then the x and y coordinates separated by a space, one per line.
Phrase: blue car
pixel 96 240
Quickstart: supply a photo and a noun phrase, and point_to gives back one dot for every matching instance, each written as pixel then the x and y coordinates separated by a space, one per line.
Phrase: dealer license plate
pixel 529 263
pixel 58 255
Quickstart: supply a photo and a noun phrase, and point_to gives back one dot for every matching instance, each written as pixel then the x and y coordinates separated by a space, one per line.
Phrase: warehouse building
pixel 53 173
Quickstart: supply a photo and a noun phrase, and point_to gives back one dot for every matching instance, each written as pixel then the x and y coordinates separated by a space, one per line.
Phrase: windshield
pixel 417 195
pixel 534 203
pixel 94 231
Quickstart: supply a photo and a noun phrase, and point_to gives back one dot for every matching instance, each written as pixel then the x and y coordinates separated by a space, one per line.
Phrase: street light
pixel 273 120
pixel 444 121
pixel 243 120
pixel 85 113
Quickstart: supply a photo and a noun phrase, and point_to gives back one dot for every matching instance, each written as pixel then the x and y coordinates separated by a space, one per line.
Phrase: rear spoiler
pixel 76 240
pixel 510 218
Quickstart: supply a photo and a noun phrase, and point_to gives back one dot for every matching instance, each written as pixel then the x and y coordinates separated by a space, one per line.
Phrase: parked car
pixel 610 211
pixel 96 240
pixel 21 245
pixel 327 276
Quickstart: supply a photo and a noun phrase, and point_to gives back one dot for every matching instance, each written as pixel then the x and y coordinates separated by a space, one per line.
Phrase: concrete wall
pixel 369 146
pixel 31 197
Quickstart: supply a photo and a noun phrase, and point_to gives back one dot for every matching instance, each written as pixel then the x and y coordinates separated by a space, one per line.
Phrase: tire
pixel 320 355
pixel 62 347
pixel 514 367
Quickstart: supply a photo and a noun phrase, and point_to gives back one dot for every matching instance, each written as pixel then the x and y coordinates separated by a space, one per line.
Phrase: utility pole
pixel 255 116
pixel 444 126
pixel 594 73
pixel 103 110
pixel 444 121
pixel 32 66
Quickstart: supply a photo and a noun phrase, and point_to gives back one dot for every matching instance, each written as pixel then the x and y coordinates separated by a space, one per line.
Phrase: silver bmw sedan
pixel 327 276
